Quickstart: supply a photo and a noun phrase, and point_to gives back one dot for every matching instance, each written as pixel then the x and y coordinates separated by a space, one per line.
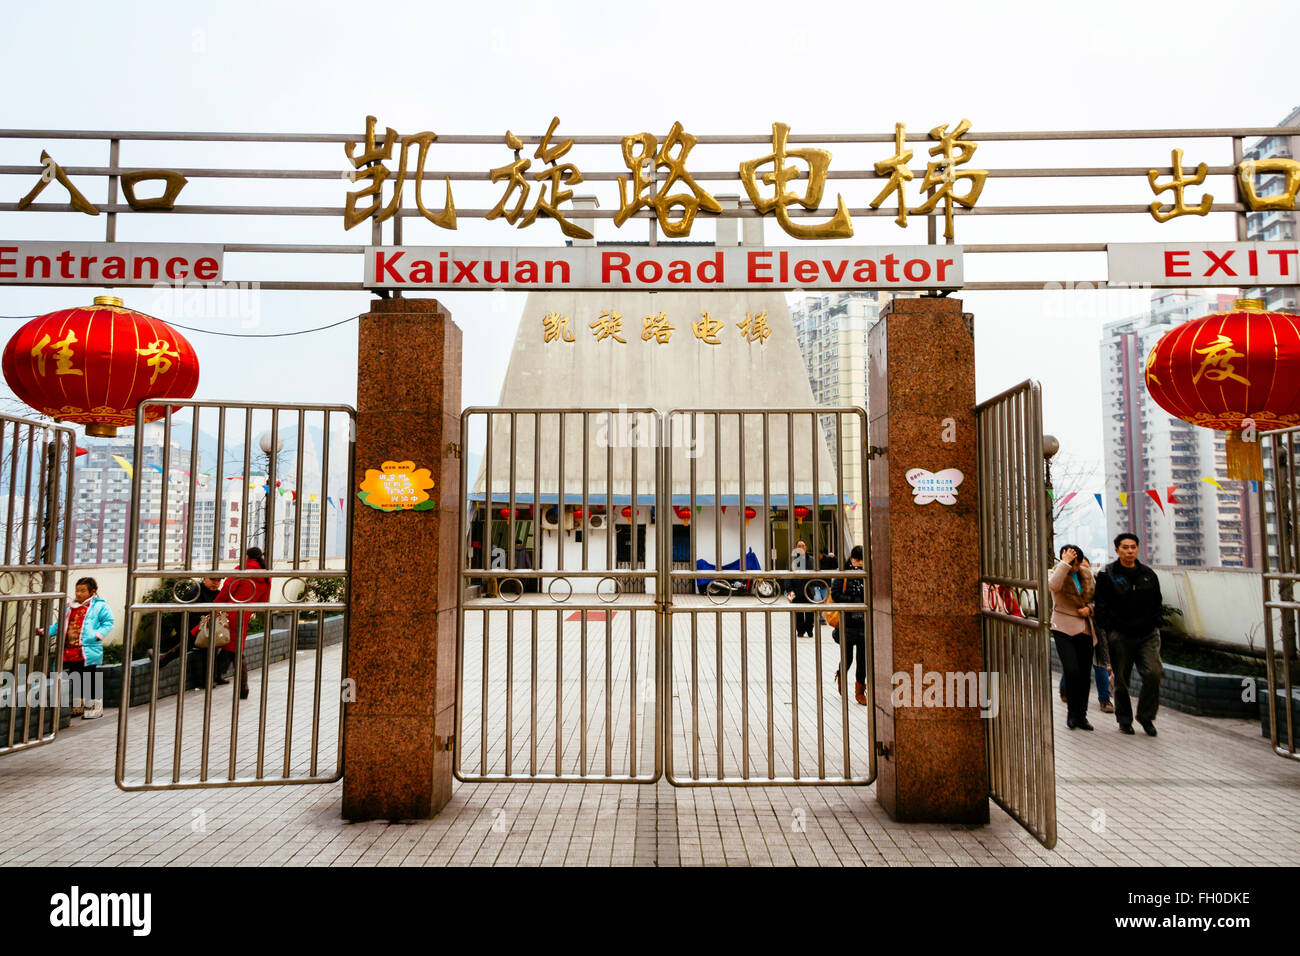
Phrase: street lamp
pixel 264 443
pixel 1050 447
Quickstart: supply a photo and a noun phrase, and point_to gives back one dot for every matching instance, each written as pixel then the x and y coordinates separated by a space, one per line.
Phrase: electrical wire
pixel 229 335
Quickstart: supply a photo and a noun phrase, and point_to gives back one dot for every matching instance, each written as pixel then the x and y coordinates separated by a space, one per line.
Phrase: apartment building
pixel 1145 449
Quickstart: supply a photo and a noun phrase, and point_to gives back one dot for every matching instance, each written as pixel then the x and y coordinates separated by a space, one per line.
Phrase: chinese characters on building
pixel 655 327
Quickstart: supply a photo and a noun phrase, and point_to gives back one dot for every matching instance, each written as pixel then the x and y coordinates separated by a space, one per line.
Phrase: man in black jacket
pixel 1128 609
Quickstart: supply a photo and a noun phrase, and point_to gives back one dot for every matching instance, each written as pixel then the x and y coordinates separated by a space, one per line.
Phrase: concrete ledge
pixel 1199 693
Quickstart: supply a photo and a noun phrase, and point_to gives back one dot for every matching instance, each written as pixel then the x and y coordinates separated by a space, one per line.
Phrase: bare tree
pixel 1072 475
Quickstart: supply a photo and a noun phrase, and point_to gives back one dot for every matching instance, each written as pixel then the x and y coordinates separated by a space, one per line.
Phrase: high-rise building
pixel 831 330
pixel 1148 450
pixel 102 506
pixel 1273 225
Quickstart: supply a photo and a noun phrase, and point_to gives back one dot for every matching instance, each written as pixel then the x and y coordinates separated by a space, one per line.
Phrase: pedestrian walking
pixel 1101 669
pixel 796 591
pixel 241 590
pixel 1071 586
pixel 852 630
pixel 1128 611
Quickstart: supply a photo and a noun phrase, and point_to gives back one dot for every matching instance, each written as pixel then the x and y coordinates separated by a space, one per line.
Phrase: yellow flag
pixel 1207 478
pixel 1123 499
pixel 126 465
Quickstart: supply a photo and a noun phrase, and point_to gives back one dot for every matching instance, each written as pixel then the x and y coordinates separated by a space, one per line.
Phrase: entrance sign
pixel 1179 265
pixel 108 263
pixel 666 268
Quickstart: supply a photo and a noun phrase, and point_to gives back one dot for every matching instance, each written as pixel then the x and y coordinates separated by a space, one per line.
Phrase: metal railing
pixel 1280 574
pixel 177 558
pixel 548 482
pixel 770 462
pixel 553 548
pixel 1014 551
pixel 36 493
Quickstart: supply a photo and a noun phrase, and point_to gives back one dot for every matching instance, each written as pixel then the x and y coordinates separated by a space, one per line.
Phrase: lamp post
pixel 1050 447
pixel 264 443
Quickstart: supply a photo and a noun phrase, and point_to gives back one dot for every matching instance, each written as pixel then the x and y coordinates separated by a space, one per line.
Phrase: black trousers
pixel 803 623
pixel 855 640
pixel 1143 650
pixel 1075 651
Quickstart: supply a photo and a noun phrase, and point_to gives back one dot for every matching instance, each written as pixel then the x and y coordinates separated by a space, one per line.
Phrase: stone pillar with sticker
pixel 402 604
pixel 925 562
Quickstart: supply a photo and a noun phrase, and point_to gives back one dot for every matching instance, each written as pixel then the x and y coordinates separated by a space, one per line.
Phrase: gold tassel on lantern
pixel 1244 460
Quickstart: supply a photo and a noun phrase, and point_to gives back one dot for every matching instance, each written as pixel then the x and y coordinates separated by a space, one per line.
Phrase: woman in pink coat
pixel 240 590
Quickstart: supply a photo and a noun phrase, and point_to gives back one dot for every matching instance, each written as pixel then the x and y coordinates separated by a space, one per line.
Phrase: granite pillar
pixel 402 632
pixel 925 563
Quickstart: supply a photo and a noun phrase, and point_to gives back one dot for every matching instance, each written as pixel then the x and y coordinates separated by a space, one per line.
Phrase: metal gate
pixel 1014 615
pixel 601 642
pixel 210 480
pixel 1281 571
pixel 36 494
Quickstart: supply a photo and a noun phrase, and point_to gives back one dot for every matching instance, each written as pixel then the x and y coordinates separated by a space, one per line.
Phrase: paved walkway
pixel 1203 792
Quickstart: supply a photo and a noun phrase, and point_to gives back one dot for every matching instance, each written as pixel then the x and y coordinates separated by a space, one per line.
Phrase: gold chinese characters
pixel 655 328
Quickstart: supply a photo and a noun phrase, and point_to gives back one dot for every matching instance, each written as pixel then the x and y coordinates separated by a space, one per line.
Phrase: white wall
pixel 1224 604
pixel 756 537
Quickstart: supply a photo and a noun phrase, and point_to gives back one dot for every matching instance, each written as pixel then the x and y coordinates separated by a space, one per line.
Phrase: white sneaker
pixel 94 709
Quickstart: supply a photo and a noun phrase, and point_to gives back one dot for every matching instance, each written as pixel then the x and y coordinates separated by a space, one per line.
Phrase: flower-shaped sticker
pixel 397 486
pixel 941 486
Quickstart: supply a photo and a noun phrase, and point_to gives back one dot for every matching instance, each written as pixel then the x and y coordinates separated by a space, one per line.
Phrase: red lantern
pixel 93 365
pixel 626 512
pixel 1231 371
pixel 750 513
pixel 505 514
pixel 683 513
pixel 800 513
pixel 577 514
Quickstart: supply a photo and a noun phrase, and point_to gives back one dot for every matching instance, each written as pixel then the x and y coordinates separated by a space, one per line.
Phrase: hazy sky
pixel 617 69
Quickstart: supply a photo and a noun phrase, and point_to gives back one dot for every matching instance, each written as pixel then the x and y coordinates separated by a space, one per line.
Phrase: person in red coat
pixel 240 590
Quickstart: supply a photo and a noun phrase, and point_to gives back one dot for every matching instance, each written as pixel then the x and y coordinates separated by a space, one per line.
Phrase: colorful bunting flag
pixel 1169 495
pixel 1210 480
pixel 125 465
pixel 1123 499
pixel 1068 498
pixel 1099 502
pixel 1155 496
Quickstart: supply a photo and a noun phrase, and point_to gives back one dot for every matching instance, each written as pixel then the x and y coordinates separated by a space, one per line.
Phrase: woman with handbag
pixel 239 590
pixel 852 627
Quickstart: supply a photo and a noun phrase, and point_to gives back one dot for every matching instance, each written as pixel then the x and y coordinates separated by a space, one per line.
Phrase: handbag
pixel 220 634
pixel 831 617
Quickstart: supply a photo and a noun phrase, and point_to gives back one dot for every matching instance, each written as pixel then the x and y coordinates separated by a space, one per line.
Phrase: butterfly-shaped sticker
pixel 940 486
